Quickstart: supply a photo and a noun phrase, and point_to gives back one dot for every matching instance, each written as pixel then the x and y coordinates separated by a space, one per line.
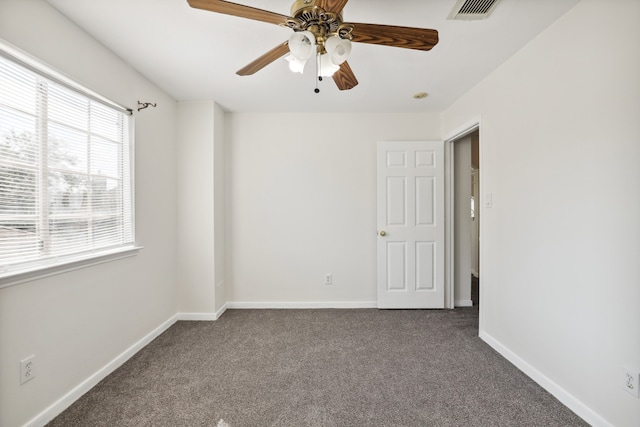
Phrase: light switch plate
pixel 488 200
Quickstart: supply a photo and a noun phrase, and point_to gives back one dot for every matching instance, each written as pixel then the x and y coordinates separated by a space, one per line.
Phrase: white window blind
pixel 65 171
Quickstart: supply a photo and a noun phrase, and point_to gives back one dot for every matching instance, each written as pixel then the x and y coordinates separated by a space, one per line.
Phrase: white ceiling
pixel 194 54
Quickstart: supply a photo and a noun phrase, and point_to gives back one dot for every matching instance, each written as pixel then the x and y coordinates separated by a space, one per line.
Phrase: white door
pixel 411 224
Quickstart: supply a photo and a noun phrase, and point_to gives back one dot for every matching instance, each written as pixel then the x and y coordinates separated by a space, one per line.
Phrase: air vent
pixel 472 9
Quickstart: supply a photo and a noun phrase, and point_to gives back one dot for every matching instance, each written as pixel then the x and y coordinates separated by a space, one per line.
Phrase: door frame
pixel 449 172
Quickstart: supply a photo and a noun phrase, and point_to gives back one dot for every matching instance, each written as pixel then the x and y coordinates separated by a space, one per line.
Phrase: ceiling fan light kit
pixel 327 67
pixel 295 65
pixel 320 31
pixel 339 49
pixel 302 45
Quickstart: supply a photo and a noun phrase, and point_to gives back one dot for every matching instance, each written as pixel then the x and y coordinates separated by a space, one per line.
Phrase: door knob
pixel 383 233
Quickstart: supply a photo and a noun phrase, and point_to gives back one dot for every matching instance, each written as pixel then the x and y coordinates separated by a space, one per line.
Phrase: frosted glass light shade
pixel 338 49
pixel 295 64
pixel 327 67
pixel 302 45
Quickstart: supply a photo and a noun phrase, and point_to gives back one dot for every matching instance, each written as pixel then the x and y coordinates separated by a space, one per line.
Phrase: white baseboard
pixel 463 303
pixel 65 401
pixel 221 311
pixel 567 399
pixel 202 316
pixel 300 304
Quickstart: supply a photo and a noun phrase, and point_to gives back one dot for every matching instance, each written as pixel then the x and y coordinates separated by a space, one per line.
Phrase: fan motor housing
pixel 306 16
pixel 299 5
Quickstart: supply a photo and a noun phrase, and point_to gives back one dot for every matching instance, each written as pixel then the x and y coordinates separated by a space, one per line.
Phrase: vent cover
pixel 472 9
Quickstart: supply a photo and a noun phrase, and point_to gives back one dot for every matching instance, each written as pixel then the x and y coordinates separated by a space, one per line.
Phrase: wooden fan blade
pixel 334 6
pixel 391 35
pixel 264 60
pixel 234 9
pixel 344 77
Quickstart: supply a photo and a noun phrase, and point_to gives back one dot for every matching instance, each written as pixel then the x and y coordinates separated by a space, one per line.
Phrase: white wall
pixel 302 203
pixel 201 213
pixel 561 244
pixel 76 323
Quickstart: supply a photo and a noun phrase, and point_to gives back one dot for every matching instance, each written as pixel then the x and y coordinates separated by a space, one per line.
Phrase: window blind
pixel 65 171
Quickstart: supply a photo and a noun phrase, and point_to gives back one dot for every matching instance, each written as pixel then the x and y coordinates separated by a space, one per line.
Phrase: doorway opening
pixel 464 217
pixel 475 218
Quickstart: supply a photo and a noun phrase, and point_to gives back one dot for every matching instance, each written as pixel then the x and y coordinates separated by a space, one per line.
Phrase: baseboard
pixel 567 399
pixel 77 392
pixel 221 311
pixel 300 304
pixel 463 303
pixel 202 316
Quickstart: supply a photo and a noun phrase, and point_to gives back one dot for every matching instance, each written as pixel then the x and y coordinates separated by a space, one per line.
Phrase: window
pixel 65 171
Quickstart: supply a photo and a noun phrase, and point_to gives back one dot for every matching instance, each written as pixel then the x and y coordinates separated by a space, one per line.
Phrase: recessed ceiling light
pixel 420 95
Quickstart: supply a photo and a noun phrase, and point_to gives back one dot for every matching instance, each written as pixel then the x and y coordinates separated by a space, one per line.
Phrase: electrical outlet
pixel 630 380
pixel 328 279
pixel 27 369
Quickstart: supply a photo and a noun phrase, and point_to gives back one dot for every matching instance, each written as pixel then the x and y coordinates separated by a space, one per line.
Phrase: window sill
pixel 16 277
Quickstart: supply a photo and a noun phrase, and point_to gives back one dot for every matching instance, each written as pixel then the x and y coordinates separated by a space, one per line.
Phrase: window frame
pixel 44 267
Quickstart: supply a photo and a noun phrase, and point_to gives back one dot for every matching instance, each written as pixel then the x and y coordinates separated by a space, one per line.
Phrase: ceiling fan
pixel 320 31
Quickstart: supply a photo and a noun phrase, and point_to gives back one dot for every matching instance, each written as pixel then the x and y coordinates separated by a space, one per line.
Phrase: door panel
pixel 425 201
pixel 396 266
pixel 425 257
pixel 396 201
pixel 410 224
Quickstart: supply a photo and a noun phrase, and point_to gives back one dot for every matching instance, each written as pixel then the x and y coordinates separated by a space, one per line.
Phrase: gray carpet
pixel 320 368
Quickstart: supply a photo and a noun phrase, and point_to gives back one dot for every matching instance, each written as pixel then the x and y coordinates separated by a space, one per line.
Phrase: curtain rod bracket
pixel 143 105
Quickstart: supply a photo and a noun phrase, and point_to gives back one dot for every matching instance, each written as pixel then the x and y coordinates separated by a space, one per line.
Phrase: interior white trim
pixel 567 399
pixel 461 132
pixel 300 304
pixel 202 316
pixel 64 265
pixel 77 392
pixel 464 130
pixel 221 311
pixel 463 303
pixel 449 213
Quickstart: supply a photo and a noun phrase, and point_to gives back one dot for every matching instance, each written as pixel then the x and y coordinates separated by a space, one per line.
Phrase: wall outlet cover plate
pixel 27 369
pixel 630 380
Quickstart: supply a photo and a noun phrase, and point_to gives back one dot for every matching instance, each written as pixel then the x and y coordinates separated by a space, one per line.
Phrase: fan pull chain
pixel 319 77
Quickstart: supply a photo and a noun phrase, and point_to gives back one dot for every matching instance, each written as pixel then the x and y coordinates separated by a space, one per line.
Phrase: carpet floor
pixel 325 368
